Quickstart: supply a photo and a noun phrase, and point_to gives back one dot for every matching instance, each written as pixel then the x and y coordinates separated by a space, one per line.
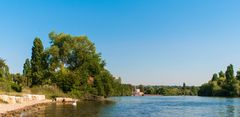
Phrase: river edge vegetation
pixel 222 84
pixel 72 67
pixel 69 67
pixel 170 90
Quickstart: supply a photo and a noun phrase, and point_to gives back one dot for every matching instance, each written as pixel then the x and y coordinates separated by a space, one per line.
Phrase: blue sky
pixel 157 42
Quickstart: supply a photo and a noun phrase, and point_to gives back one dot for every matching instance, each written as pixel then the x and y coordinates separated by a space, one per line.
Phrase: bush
pixel 5 86
pixel 16 87
pixel 49 91
pixel 75 93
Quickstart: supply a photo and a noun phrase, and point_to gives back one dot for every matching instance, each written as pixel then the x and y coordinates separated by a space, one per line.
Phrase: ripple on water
pixel 147 106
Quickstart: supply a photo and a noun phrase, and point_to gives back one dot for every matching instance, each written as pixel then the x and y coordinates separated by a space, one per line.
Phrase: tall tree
pixel 184 85
pixel 215 77
pixel 229 73
pixel 238 75
pixel 4 70
pixel 221 74
pixel 27 71
pixel 36 62
pixel 184 88
pixel 141 87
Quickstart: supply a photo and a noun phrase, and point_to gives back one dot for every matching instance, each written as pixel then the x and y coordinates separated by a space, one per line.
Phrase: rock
pixel 68 99
pixel 19 100
pixel 11 100
pixel 4 98
pixel 27 98
pixel 62 99
pixel 38 97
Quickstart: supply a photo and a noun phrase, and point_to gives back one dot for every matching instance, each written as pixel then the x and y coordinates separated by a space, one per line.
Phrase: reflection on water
pixel 152 106
pixel 83 109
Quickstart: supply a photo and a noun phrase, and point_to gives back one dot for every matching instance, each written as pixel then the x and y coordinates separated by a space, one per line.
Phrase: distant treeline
pixel 222 84
pixel 169 90
pixel 70 64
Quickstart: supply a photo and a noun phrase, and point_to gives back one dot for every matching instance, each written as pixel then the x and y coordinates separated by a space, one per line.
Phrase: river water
pixel 147 106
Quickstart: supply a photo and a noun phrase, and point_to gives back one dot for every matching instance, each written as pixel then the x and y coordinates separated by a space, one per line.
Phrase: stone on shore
pixel 11 100
pixel 64 99
pixel 19 99
pixel 23 99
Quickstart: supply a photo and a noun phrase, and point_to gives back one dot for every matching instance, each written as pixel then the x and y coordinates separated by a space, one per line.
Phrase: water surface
pixel 148 106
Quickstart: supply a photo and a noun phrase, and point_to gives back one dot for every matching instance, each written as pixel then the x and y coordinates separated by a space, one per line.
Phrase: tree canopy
pixel 223 85
pixel 73 64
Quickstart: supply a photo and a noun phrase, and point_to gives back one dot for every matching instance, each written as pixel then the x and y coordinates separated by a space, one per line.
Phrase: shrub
pixel 5 86
pixel 16 87
pixel 48 91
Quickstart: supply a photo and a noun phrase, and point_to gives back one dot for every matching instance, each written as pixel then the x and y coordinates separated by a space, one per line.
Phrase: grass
pixel 49 91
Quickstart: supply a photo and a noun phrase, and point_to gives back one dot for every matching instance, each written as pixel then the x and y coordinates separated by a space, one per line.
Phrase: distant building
pixel 137 92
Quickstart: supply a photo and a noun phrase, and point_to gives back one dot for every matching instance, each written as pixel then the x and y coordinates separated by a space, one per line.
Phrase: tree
pixel 4 70
pixel 184 88
pixel 215 77
pixel 205 90
pixel 141 87
pixel 72 64
pixel 229 73
pixel 229 86
pixel 78 56
pixel 36 62
pixel 184 85
pixel 150 90
pixel 221 74
pixel 99 86
pixel 238 75
pixel 27 71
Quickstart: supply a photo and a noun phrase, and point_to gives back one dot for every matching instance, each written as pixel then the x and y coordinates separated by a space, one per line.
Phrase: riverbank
pixel 29 103
pixel 9 110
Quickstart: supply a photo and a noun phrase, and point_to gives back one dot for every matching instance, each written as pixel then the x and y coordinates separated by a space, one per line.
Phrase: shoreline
pixel 12 110
pixel 9 110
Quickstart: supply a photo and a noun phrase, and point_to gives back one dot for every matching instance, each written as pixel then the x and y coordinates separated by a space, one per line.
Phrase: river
pixel 147 106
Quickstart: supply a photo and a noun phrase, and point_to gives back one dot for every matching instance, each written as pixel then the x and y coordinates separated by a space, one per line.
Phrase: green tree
pixel 4 70
pixel 27 71
pixel 221 74
pixel 77 55
pixel 141 87
pixel 205 90
pixel 215 77
pixel 150 90
pixel 184 88
pixel 36 62
pixel 99 86
pixel 72 64
pixel 238 75
pixel 229 86
pixel 229 73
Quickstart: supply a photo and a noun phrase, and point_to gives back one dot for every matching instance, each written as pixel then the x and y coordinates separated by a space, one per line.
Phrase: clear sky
pixel 157 42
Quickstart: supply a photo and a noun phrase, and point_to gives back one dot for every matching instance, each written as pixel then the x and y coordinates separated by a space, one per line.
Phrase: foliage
pixel 48 91
pixel 27 71
pixel 71 66
pixel 229 73
pixel 223 85
pixel 16 87
pixel 215 77
pixel 171 90
pixel 5 85
pixel 4 70
pixel 37 62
